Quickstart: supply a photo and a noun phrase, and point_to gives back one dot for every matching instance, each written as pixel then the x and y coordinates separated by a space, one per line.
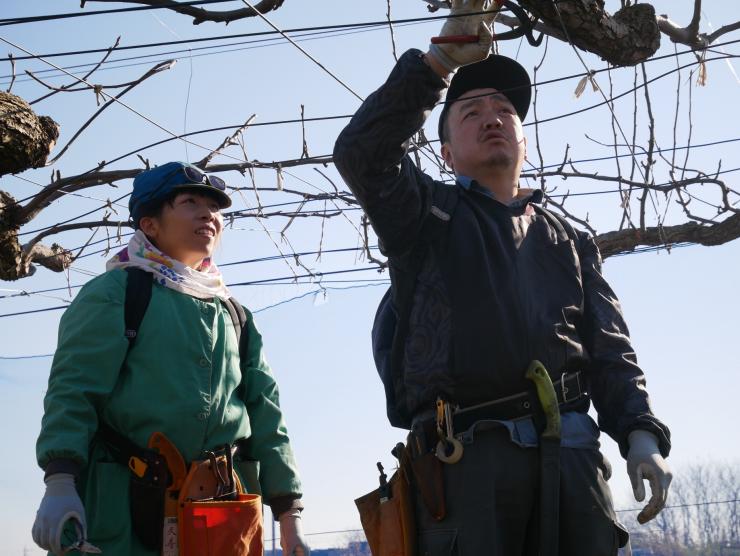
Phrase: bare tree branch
pixel 663 188
pixel 229 141
pixel 12 71
pixel 242 166
pixel 201 15
pixel 625 241
pixel 304 146
pixel 55 258
pixel 69 86
pixel 60 187
pixel 561 207
pixel 722 31
pixel 629 36
pixel 74 226
pixel 390 28
pixel 690 35
pixel 162 66
pixel 434 5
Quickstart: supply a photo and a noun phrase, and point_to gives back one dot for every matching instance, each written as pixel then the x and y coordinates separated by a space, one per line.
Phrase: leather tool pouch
pixel 388 521
pixel 429 482
pixel 427 470
pixel 146 495
pixel 216 517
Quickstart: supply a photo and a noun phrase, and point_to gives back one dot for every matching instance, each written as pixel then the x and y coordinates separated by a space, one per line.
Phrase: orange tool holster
pixel 207 511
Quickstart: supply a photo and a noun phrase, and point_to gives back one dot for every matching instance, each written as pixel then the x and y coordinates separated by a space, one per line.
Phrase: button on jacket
pixel 506 285
pixel 183 377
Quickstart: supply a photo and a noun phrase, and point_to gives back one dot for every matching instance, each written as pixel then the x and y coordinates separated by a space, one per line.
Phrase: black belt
pixel 569 388
pixel 122 449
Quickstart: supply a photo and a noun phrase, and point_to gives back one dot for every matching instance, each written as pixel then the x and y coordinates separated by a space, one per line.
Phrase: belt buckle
pixel 563 388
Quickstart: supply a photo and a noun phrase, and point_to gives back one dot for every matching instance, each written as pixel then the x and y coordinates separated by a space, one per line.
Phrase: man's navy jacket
pixel 503 287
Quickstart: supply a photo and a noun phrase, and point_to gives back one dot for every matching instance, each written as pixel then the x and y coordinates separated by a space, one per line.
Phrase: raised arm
pixel 371 152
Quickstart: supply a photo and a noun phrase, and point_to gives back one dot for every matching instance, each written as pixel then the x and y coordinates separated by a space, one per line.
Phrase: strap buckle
pixel 564 389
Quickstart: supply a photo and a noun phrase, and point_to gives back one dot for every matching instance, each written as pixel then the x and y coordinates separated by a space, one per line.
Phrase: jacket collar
pixel 524 195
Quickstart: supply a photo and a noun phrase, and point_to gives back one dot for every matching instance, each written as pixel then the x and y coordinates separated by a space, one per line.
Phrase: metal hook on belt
pixel 449 449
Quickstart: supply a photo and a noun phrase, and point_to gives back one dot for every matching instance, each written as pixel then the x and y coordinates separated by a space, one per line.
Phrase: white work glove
pixel 453 55
pixel 59 504
pixel 645 462
pixel 291 534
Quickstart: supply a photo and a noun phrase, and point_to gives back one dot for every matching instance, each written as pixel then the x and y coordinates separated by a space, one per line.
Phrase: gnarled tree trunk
pixel 626 38
pixel 25 138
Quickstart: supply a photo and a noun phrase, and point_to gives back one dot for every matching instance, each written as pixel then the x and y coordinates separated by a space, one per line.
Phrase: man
pixel 506 282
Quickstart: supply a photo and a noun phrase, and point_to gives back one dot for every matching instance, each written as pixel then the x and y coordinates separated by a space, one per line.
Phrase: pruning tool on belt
pixel 549 458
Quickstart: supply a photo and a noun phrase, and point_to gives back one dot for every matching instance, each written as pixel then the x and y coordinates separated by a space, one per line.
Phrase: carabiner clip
pixel 446 435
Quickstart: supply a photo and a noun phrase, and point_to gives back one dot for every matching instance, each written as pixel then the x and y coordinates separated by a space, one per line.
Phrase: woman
pixel 183 375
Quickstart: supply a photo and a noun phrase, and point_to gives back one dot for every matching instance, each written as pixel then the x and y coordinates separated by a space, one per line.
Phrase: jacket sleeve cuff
pixel 281 504
pixel 653 426
pixel 62 465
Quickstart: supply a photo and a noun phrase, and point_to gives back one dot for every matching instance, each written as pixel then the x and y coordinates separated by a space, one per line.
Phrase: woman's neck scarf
pixel 204 283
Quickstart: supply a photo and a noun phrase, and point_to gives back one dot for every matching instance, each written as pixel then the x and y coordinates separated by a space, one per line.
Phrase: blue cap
pixel 159 182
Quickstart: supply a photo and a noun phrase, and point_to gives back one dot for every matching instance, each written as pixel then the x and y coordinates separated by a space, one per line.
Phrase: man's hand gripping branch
pixel 447 57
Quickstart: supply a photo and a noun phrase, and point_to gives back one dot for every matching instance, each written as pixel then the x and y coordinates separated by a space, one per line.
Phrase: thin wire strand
pixel 264 18
pixel 50 17
pixel 117 100
pixel 339 26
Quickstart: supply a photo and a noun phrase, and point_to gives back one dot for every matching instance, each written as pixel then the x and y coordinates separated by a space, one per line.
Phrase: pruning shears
pixel 526 26
pixel 81 544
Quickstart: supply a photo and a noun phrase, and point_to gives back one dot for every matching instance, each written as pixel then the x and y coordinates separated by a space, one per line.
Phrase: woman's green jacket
pixel 183 377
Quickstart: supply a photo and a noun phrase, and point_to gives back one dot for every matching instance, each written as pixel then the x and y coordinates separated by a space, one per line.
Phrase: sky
pixel 681 306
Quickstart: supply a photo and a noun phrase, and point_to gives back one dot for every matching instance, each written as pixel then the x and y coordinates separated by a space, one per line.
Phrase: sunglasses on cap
pixel 191 175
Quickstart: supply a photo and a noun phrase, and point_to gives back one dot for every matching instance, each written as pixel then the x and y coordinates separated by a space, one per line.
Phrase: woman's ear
pixel 150 226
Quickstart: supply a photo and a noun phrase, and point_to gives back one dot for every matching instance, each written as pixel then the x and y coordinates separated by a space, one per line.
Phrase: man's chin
pixel 500 160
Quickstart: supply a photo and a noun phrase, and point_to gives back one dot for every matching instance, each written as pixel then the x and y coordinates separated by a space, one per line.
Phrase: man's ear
pixel 447 156
pixel 525 148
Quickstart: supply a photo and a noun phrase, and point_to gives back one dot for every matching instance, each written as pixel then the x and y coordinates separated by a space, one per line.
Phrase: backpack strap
pixel 239 320
pixel 138 295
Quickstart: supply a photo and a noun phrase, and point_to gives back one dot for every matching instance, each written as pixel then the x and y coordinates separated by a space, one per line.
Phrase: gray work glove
pixel 59 504
pixel 454 55
pixel 291 534
pixel 645 462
